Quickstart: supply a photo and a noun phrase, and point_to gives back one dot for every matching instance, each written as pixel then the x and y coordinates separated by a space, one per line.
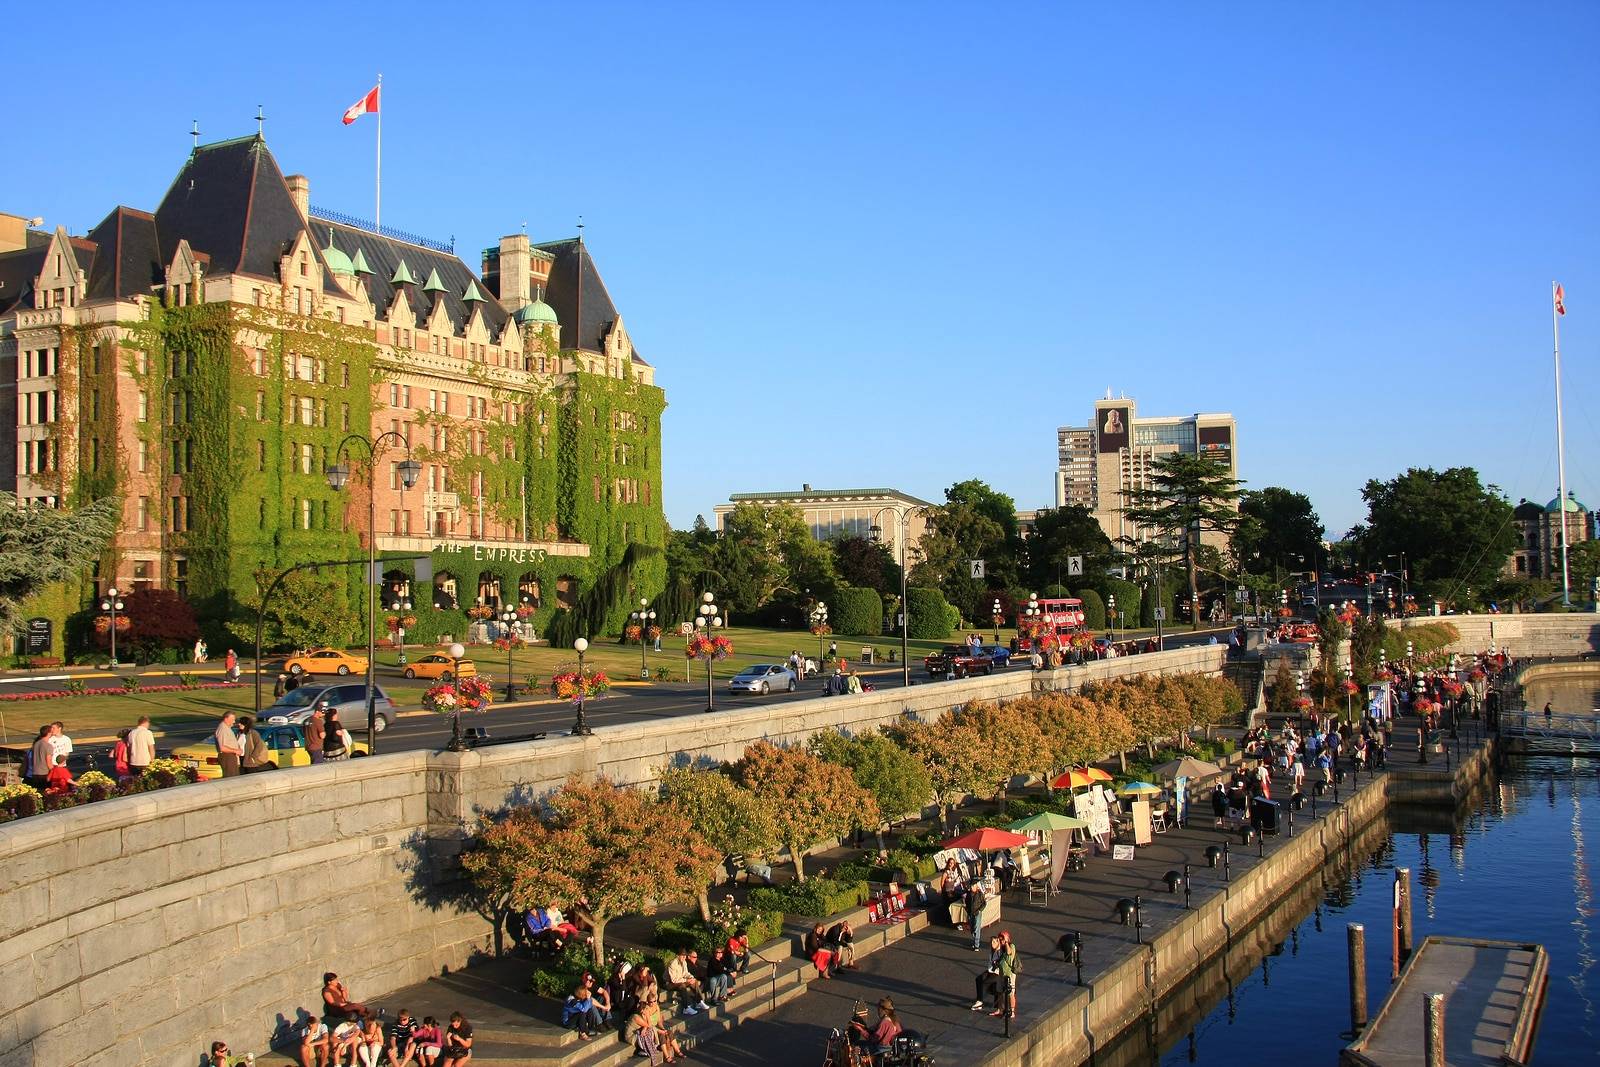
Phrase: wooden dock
pixel 1494 991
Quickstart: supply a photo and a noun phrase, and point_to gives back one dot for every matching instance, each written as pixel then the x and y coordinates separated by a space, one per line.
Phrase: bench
pixel 40 662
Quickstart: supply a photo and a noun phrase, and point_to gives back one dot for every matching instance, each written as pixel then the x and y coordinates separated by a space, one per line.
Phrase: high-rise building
pixel 1099 464
pixel 210 360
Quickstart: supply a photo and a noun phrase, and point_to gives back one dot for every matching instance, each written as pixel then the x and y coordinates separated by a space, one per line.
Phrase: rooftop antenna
pixel 261 123
pixel 580 229
pixel 524 227
pixel 195 133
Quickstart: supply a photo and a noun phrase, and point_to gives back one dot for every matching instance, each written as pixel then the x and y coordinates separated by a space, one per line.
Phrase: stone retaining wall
pixel 1565 634
pixel 137 930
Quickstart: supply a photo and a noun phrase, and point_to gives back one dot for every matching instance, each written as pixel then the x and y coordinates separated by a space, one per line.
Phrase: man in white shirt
pixel 60 743
pixel 141 746
pixel 228 747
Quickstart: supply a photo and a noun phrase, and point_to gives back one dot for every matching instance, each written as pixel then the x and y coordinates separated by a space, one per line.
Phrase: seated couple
pixel 548 928
pixel 832 948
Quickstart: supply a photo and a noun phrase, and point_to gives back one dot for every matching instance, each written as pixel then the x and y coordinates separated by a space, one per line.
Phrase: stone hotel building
pixel 206 360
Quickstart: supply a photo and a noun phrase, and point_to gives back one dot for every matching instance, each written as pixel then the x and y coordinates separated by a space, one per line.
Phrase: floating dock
pixel 1494 991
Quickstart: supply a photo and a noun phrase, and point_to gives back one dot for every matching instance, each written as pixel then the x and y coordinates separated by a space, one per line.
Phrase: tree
pixel 1583 566
pixel 1189 495
pixel 765 551
pixel 308 609
pixel 1282 693
pixel 1094 609
pixel 810 798
pixel 732 820
pixel 1058 535
pixel 856 610
pixel 897 780
pixel 1366 644
pixel 1076 730
pixel 868 564
pixel 616 848
pixel 1276 528
pixel 1011 744
pixel 40 546
pixel 951 750
pixel 1455 531
pixel 975 522
pixel 158 618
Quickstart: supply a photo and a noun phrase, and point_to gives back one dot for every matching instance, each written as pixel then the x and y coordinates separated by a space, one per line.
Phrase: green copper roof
pixel 433 284
pixel 538 312
pixel 1572 503
pixel 402 275
pixel 471 294
pixel 358 265
pixel 337 261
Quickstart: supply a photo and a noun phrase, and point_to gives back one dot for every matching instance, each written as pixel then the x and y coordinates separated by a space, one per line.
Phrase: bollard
pixel 1077 955
pixel 1224 861
pixel 1261 845
pixel 1185 887
pixel 1433 1029
pixel 1138 924
pixel 1290 813
pixel 1356 936
pixel 1314 795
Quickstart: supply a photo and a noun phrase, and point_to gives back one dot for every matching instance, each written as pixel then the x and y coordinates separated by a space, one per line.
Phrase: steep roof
pixel 127 255
pixel 230 202
pixel 17 273
pixel 579 296
pixel 383 255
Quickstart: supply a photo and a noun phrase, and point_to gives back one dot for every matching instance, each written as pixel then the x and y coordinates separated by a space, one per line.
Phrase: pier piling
pixel 1433 1033
pixel 1356 937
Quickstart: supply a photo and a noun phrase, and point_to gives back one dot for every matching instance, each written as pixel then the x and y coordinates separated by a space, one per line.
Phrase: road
pixel 623 704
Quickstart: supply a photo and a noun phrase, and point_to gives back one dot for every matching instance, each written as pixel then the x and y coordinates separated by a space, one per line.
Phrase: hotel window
pixel 94 405
pixel 405 396
pixel 180 514
pixel 444 403
pixel 344 416
pixel 144 406
pixel 261 406
pixel 261 455
pixel 394 522
pixel 144 513
pixel 144 455
pixel 394 395
pixel 305 514
pixel 394 476
pixel 306 454
pixel 344 375
pixel 433 400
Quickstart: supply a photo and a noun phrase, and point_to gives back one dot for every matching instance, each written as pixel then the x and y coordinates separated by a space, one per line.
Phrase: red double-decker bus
pixel 1058 619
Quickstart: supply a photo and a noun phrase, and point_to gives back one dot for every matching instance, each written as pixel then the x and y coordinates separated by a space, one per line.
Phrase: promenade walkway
pixel 931 976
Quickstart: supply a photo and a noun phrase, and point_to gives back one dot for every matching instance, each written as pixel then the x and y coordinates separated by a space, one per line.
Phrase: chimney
pixel 300 192
pixel 805 487
pixel 516 267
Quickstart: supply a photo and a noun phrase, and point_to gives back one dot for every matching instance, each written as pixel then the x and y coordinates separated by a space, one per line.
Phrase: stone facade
pixel 137 930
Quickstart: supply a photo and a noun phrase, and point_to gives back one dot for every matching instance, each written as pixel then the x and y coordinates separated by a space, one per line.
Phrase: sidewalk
pixel 931 977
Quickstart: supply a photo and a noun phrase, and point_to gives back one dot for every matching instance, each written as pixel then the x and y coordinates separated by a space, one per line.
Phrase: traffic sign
pixel 1075 566
pixel 1242 595
pixel 977 569
pixel 1161 615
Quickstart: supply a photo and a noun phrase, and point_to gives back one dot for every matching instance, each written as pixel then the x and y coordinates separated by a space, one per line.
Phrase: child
pixel 428 1041
pixel 59 782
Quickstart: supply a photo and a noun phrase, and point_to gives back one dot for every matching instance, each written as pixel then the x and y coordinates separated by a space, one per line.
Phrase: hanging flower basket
pixel 1350 687
pixel 654 633
pixel 631 632
pixel 524 611
pixel 465 694
pixel 506 644
pixel 821 629
pixel 568 684
pixel 480 614
pixel 702 646
pixel 1303 703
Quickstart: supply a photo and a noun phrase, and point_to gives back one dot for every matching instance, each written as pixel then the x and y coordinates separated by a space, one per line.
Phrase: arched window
pixel 396 587
pixel 528 590
pixel 566 592
pixel 444 591
pixel 489 590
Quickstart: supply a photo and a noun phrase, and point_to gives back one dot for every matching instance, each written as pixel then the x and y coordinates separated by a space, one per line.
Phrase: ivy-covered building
pixel 206 360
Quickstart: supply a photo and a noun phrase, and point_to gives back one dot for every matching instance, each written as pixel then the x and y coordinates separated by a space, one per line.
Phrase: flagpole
pixel 1561 451
pixel 377 192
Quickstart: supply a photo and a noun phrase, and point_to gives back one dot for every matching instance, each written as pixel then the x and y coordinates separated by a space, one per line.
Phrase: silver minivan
pixel 348 698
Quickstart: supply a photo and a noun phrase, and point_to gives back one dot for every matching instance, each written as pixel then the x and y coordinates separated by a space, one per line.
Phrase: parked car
pixel 327 661
pixel 437 665
pixel 763 678
pixel 349 699
pixel 959 661
pixel 286 747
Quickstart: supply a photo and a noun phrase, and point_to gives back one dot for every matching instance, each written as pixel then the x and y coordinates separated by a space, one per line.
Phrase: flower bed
pixel 22 800
pixel 121 690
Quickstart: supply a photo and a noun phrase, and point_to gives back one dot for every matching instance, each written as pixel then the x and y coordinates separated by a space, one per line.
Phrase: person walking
pixel 228 748
pixel 253 750
pixel 231 666
pixel 316 731
pixel 141 747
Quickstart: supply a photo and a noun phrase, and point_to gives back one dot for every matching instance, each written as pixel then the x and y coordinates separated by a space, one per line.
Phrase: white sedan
pixel 763 678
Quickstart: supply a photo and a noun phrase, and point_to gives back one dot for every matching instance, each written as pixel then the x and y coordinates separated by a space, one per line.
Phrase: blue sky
pixel 900 244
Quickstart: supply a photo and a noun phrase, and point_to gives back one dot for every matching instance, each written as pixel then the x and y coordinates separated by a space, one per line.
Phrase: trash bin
pixel 1264 816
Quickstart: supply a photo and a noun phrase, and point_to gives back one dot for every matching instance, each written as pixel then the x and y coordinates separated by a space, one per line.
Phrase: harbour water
pixel 1519 865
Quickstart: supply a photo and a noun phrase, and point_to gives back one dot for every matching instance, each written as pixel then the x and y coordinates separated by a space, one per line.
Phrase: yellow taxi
pixel 326 661
pixel 286 747
pixel 440 667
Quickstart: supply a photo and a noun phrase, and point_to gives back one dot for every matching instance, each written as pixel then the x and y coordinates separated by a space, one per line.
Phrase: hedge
pixel 857 611
pixel 930 614
pixel 816 899
pixel 1127 594
pixel 1094 610
pixel 1425 638
pixel 689 932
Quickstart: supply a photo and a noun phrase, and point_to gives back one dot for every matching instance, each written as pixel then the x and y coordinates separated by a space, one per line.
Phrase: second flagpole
pixel 1561 447
pixel 377 191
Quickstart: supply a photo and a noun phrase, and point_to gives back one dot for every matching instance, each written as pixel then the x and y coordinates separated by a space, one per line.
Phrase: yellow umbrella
pixel 1097 775
pixel 1135 788
pixel 1072 779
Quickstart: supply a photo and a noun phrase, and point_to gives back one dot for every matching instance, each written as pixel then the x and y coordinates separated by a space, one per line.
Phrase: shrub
pixel 1127 594
pixel 663 674
pixel 857 611
pixel 559 976
pixel 188 679
pixel 689 932
pixel 130 685
pixel 20 800
pixel 816 898
pixel 164 773
pixel 1094 609
pixel 929 614
pixel 76 687
pixel 94 786
pixel 921 844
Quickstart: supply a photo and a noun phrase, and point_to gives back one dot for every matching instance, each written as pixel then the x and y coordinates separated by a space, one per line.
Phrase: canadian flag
pixel 1561 300
pixel 366 105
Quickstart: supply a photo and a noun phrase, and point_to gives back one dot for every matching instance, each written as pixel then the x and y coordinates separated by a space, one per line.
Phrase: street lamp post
pixel 456 651
pixel 400 604
pixel 581 726
pixel 709 622
pixel 643 619
pixel 507 617
pixel 999 617
pixel 903 519
pixel 112 604
pixel 819 619
pixel 1111 608
pixel 338 475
